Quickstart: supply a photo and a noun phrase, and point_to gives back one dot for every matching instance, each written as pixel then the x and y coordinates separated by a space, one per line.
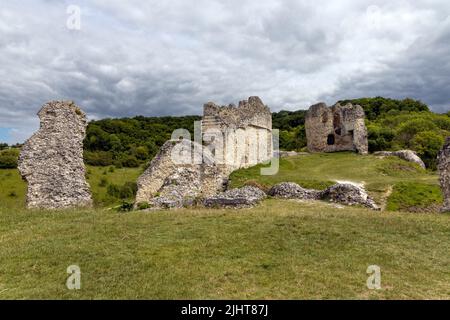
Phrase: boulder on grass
pixel 236 198
pixel 350 195
pixel 407 155
pixel 290 190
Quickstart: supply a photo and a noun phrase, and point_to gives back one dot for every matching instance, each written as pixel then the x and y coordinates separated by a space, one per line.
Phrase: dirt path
pixel 385 197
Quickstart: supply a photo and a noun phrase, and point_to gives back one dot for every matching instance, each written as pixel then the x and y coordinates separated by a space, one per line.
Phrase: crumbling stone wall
pixel 339 128
pixel 184 171
pixel 238 136
pixel 444 174
pixel 51 161
pixel 180 173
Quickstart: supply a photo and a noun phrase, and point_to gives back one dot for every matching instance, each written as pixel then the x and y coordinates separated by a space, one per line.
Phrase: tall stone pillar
pixel 51 161
pixel 444 174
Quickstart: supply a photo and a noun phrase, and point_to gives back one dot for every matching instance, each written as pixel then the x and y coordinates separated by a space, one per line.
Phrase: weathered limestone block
pixel 236 198
pixel 178 175
pixel 349 195
pixel 407 155
pixel 444 174
pixel 51 161
pixel 290 190
pixel 339 128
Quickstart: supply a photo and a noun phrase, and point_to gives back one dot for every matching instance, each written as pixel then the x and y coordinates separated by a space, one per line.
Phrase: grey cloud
pixel 421 73
pixel 170 57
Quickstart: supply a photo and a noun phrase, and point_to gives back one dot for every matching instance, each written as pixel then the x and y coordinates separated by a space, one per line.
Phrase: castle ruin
pixel 51 161
pixel 336 128
pixel 183 170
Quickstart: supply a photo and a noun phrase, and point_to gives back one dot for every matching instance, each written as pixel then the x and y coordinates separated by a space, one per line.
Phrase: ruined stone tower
pixel 238 137
pixel 444 174
pixel 338 128
pixel 51 161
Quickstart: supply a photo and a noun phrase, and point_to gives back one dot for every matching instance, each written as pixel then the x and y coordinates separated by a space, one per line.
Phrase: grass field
pixel 280 249
pixel 13 188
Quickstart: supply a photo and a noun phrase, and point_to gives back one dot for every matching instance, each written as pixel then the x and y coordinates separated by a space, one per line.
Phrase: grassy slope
pixel 322 170
pixel 118 177
pixel 281 249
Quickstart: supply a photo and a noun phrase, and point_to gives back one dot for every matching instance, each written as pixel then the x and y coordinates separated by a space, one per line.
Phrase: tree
pixel 9 158
pixel 427 144
pixel 409 129
pixel 141 152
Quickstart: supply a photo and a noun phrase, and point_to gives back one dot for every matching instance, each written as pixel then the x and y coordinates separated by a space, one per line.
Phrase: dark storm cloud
pixel 170 57
pixel 423 73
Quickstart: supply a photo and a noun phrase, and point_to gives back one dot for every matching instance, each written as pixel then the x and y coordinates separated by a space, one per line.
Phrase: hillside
pixel 392 125
pixel 280 249
pixel 393 182
pixel 385 179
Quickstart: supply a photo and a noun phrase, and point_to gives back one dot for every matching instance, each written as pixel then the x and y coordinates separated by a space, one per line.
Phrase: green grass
pixel 419 197
pixel 117 177
pixel 13 189
pixel 279 250
pixel 318 171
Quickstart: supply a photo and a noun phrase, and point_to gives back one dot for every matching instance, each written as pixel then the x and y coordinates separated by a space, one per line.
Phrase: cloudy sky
pixel 169 57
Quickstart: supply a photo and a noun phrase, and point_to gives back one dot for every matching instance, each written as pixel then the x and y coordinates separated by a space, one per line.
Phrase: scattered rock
pixel 51 161
pixel 358 184
pixel 290 190
pixel 236 198
pixel 343 193
pixel 350 195
pixel 444 174
pixel 339 128
pixel 407 155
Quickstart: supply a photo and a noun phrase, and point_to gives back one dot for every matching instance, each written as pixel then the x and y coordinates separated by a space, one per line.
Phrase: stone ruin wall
pixel 444 174
pixel 182 171
pixel 51 161
pixel 240 136
pixel 175 177
pixel 337 128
